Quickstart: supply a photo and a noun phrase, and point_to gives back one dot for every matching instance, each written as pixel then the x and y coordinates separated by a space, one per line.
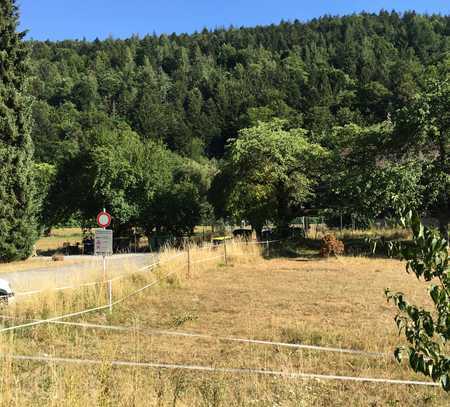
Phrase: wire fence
pixel 150 267
pixel 211 369
pixel 157 332
pixel 187 263
pixel 109 283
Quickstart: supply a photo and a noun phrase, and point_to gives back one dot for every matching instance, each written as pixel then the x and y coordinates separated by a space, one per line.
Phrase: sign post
pixel 104 243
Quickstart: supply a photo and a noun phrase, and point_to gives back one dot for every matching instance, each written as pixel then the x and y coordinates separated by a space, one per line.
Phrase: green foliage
pixel 423 129
pixel 272 173
pixel 209 85
pixel 366 178
pixel 140 182
pixel 17 191
pixel 44 178
pixel 427 332
pixel 121 120
pixel 177 205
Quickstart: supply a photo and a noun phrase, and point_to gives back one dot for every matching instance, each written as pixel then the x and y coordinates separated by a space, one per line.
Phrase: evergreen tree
pixel 17 204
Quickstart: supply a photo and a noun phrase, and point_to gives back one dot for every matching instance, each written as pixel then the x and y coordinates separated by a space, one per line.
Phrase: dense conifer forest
pixel 195 92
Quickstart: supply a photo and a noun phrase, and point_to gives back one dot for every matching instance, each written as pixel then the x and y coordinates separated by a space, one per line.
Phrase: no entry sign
pixel 104 219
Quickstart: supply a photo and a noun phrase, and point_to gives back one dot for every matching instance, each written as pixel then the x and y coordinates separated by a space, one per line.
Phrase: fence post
pixel 104 267
pixel 189 261
pixel 225 250
pixel 268 247
pixel 110 295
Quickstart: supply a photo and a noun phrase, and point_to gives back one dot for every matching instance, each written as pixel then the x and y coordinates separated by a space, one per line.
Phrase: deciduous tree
pixel 273 173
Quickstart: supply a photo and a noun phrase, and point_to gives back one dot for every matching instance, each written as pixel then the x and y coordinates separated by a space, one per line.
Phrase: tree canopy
pixel 272 174
pixel 140 125
pixel 18 208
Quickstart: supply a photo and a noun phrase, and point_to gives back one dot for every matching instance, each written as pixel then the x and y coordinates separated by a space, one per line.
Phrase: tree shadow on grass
pixel 305 249
pixel 291 249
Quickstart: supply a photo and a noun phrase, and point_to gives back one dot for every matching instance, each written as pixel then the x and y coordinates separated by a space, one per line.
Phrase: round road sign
pixel 104 219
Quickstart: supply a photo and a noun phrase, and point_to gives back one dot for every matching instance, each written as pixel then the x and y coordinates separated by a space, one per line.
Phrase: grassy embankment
pixel 336 302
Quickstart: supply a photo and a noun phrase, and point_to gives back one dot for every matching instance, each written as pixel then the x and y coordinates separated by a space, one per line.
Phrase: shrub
pixel 330 245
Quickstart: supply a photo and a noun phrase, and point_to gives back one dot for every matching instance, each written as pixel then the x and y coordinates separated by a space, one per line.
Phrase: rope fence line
pixel 72 287
pixel 69 287
pixel 211 369
pixel 152 332
pixel 89 310
pixel 244 242
pixel 109 282
pixel 58 319
pixel 44 321
pixel 110 303
pixel 264 242
pixel 142 269
pixel 146 287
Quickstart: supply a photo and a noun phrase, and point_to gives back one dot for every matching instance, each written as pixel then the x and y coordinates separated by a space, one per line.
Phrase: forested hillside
pixel 104 111
pixel 194 92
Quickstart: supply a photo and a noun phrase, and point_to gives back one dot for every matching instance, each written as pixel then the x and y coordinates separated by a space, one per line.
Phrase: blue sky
pixel 64 19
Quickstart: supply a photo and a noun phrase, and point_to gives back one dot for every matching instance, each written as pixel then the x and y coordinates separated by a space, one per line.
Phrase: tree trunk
pixel 258 231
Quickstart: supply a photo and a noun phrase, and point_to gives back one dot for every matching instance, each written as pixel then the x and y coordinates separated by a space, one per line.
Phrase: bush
pixel 330 245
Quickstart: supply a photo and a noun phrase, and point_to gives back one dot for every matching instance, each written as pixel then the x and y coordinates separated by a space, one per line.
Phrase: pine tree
pixel 17 204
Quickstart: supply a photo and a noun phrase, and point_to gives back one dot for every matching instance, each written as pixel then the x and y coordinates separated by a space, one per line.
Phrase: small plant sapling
pixel 427 331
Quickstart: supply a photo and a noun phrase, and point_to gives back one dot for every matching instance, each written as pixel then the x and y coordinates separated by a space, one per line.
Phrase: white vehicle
pixel 6 293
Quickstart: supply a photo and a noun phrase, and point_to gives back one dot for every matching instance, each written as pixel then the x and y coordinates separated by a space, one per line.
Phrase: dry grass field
pixel 337 302
pixel 58 237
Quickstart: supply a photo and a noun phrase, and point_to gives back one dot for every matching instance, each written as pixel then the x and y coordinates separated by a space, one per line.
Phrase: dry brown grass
pixel 318 231
pixel 58 237
pixel 334 302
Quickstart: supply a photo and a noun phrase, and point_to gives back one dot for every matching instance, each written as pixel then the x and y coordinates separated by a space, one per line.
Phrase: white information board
pixel 103 242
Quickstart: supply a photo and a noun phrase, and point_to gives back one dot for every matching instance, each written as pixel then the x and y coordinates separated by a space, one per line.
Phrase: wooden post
pixel 268 247
pixel 225 250
pixel 104 267
pixel 110 295
pixel 189 261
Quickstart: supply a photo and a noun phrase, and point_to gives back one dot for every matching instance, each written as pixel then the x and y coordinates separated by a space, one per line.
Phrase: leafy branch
pixel 427 332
